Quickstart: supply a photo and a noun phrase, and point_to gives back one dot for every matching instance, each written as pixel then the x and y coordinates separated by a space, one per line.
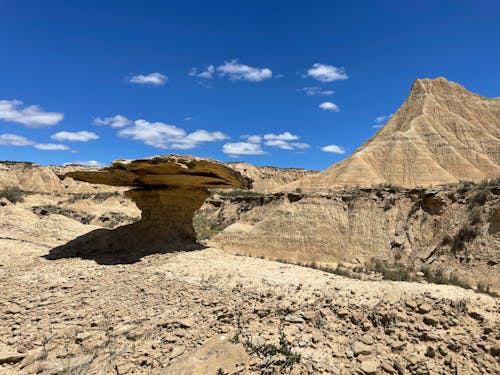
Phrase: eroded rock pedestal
pixel 168 190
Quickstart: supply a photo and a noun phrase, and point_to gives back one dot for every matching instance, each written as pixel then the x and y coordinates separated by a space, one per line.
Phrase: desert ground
pixel 210 312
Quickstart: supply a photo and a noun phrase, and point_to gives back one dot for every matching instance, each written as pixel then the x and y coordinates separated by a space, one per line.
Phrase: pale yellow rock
pixel 217 353
pixel 168 190
pixel 441 134
pixel 268 179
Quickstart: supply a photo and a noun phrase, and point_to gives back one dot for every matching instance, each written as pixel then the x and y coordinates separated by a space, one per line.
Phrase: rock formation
pixel 269 179
pixel 441 134
pixel 36 178
pixel 168 190
pixel 452 228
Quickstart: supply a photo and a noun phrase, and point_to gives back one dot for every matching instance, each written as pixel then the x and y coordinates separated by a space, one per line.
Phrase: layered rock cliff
pixel 455 229
pixel 268 179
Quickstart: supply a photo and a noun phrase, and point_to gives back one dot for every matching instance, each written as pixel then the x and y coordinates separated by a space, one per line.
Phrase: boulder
pixel 218 353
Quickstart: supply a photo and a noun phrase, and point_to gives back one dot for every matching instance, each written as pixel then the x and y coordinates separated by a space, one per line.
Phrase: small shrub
pixel 486 289
pixel 439 277
pixel 390 187
pixel 12 194
pixel 270 350
pixel 460 305
pixel 464 235
pixel 240 193
pixel 480 198
pixel 465 186
pixel 475 217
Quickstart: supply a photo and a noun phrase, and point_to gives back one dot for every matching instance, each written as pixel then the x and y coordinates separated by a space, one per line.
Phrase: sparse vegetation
pixel 486 289
pixel 205 226
pixel 99 197
pixel 269 351
pixel 394 272
pixel 438 276
pixel 393 189
pixel 466 234
pixel 14 162
pixel 232 193
pixel 13 194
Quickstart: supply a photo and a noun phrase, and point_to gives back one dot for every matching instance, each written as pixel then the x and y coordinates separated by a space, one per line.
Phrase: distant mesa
pixel 168 190
pixel 441 134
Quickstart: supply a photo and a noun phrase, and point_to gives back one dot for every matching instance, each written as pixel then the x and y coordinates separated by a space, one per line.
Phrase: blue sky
pixel 291 84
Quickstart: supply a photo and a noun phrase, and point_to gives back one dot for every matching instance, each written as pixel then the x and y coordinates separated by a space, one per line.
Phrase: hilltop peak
pixel 441 134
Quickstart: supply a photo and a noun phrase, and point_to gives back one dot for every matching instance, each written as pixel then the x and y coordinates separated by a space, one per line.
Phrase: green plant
pixel 270 350
pixel 205 224
pixel 480 198
pixel 486 289
pixel 438 276
pixel 466 234
pixel 234 193
pixel 390 187
pixel 393 272
pixel 12 194
pixel 460 305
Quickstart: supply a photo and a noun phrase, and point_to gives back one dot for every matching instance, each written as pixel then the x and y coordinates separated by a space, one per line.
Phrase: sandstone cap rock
pixel 167 170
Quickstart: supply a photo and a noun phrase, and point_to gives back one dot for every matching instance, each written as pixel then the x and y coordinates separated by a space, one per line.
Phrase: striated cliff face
pixel 449 228
pixel 441 134
pixel 268 179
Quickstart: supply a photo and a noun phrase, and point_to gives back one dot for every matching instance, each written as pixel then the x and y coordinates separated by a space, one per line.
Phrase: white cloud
pixel 153 79
pixel 240 72
pixel 208 73
pixel 14 140
pixel 380 121
pixel 286 136
pixel 87 163
pixel 18 140
pixel 117 121
pixel 242 148
pixel 329 106
pixel 32 116
pixel 333 149
pixel 51 147
pixel 315 90
pixel 326 73
pixel 283 140
pixel 81 136
pixel 188 118
pixel 160 135
pixel 300 145
pixel 252 138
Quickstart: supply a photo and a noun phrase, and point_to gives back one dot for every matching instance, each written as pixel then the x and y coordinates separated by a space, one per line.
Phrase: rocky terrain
pixel 269 179
pixel 442 134
pixel 210 312
pixel 449 229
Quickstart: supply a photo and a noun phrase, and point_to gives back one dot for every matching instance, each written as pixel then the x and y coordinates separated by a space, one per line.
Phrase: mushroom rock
pixel 168 190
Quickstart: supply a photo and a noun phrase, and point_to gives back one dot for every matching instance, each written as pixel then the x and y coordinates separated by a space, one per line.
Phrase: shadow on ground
pixel 123 245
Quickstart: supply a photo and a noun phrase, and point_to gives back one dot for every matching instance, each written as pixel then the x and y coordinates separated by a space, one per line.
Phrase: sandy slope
pixel 441 134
